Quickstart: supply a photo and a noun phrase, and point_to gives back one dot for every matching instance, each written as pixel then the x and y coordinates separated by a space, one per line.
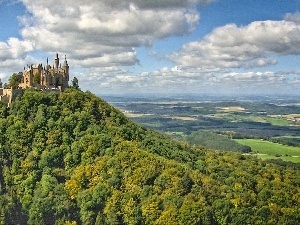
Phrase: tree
pixel 37 78
pixel 75 83
pixel 14 81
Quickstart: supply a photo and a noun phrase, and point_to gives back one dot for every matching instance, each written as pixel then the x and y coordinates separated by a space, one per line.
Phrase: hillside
pixel 74 159
pixel 213 140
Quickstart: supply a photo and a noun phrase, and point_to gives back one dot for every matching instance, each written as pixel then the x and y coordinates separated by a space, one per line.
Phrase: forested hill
pixel 74 159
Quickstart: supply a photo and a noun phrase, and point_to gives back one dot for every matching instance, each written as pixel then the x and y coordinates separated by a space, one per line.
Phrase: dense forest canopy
pixel 71 158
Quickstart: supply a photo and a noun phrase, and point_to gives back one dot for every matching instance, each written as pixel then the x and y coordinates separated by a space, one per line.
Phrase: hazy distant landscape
pixel 269 125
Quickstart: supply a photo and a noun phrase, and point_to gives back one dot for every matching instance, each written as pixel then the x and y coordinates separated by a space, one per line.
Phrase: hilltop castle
pixel 47 78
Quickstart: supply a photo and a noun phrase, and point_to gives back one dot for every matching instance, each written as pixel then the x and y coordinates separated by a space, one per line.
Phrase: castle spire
pixel 56 61
pixel 65 62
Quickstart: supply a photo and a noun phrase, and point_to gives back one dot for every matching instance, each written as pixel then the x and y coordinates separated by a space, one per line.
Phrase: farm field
pixel 270 150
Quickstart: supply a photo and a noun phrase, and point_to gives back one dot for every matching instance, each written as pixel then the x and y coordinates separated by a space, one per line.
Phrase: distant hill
pixel 213 140
pixel 71 158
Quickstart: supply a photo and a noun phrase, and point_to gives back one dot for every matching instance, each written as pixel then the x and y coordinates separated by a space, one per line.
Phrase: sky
pixel 233 47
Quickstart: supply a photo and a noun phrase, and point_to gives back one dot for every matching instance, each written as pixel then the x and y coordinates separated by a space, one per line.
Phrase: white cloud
pixel 190 80
pixel 103 33
pixel 14 49
pixel 250 46
pixel 112 59
pixel 2 75
pixel 294 17
pixel 96 33
pixel 13 55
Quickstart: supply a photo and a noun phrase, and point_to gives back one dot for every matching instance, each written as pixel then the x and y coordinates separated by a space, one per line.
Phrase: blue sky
pixel 170 46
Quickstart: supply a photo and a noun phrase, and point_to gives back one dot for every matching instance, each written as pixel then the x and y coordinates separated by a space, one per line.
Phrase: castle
pixel 47 78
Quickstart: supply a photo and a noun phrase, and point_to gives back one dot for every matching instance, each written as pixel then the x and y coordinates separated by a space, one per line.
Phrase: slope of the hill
pixel 213 140
pixel 74 159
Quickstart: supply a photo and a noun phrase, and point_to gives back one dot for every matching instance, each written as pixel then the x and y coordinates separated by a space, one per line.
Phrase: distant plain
pixel 255 121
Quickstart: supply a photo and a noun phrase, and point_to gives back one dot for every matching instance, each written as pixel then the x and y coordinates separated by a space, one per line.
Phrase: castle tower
pixel 27 78
pixel 66 66
pixel 56 61
pixel 65 78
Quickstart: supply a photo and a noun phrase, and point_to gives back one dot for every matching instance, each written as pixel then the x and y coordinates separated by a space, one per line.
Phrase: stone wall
pixel 10 94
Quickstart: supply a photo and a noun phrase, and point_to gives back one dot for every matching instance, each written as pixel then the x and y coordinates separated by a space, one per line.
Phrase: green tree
pixel 75 83
pixel 14 81
pixel 37 78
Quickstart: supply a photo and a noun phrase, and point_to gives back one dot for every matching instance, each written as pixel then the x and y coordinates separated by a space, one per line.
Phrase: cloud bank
pixel 97 33
pixel 175 80
pixel 250 46
pixel 105 32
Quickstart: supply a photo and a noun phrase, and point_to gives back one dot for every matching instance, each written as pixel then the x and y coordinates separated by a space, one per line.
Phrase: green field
pixel 278 121
pixel 270 150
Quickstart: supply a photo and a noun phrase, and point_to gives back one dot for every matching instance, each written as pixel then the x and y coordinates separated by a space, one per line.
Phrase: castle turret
pixel 65 62
pixel 66 66
pixel 56 61
pixel 66 73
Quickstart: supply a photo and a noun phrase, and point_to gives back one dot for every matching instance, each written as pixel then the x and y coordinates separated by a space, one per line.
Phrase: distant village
pixel 46 78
